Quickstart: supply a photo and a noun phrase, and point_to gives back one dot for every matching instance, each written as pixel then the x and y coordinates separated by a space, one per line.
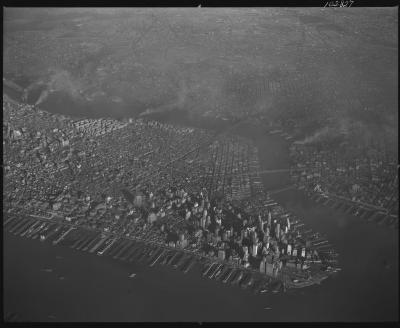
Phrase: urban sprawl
pixel 144 190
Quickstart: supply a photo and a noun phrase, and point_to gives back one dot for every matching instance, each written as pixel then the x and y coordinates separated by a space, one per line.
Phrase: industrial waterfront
pixel 376 282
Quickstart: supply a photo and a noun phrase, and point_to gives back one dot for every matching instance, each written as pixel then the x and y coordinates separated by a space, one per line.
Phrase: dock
pixel 83 241
pixel 35 230
pixel 123 249
pixel 212 272
pixel 31 228
pixel 22 228
pixel 209 268
pixel 63 236
pixel 133 253
pixel 191 264
pixel 18 224
pixel 157 258
pixel 130 253
pixel 228 276
pixel 94 241
pixel 107 248
pixel 95 247
pixel 80 238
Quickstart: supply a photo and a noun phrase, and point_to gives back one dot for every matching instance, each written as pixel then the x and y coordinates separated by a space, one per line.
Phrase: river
pixel 94 288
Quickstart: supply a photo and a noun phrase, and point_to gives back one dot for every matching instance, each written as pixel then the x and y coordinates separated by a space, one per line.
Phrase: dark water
pixel 98 289
pixel 13 94
pixel 366 288
pixel 62 103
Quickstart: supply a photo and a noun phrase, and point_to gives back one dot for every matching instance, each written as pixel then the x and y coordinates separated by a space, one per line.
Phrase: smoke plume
pixel 61 81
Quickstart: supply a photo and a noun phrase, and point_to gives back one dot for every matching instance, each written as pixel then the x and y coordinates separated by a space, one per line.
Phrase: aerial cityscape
pixel 198 164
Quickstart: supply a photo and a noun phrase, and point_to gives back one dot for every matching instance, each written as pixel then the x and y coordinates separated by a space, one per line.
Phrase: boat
pixel 276 287
pixel 243 282
pixel 132 275
pixel 257 286
pixel 249 282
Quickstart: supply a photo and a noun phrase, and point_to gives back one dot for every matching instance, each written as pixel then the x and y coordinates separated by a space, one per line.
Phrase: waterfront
pixel 208 120
pixel 368 258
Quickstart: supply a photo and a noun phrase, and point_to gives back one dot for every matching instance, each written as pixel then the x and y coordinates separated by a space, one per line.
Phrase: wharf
pixel 108 247
pixel 63 236
pixel 95 247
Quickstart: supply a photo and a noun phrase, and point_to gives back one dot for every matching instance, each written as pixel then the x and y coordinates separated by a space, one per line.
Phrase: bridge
pixel 265 172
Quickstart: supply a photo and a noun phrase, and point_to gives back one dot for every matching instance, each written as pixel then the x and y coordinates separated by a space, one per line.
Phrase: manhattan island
pixel 142 190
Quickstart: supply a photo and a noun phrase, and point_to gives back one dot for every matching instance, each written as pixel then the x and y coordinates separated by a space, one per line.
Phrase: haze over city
pixel 200 164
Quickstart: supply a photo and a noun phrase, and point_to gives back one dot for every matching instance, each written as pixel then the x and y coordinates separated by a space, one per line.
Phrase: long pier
pixel 122 245
pixel 158 257
pixel 31 228
pixel 16 225
pixel 108 247
pixel 93 242
pixel 63 236
pixel 98 244
pixel 229 275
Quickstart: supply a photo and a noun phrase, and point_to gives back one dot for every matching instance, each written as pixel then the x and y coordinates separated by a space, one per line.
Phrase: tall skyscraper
pixel 254 250
pixel 269 269
pixel 262 266
pixel 289 249
pixel 303 252
pixel 278 230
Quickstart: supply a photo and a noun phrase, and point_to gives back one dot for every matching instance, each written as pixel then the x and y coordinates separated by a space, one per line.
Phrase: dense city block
pixel 170 188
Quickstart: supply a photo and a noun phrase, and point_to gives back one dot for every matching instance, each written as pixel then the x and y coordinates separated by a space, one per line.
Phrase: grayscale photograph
pixel 198 164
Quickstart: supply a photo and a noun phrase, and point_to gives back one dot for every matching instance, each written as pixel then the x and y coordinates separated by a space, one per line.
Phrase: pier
pixel 108 247
pixel 98 244
pixel 63 236
pixel 158 257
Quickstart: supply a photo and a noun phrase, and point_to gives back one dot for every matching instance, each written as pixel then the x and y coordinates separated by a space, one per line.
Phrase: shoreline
pixel 228 127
